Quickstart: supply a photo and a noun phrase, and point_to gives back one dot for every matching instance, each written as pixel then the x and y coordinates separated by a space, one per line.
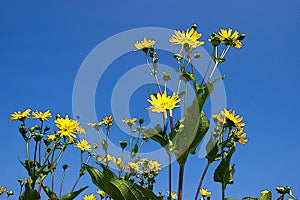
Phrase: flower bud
pixel 123 144
pixel 10 192
pixel 64 166
pixel 141 121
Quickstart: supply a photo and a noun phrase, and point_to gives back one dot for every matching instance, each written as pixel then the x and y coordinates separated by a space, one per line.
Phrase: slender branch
pixel 201 180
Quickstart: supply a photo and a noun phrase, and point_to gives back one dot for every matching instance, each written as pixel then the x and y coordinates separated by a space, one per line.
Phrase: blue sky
pixel 43 44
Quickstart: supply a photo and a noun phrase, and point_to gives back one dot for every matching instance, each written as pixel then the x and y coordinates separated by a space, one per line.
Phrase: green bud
pixel 123 144
pixel 241 36
pixel 155 60
pixel 194 26
pixel 197 55
pixel 10 192
pixel 177 56
pixel 166 76
pixel 158 127
pixel 141 121
pixel 22 129
pixel 47 141
pixel 20 180
pixel 64 166
pixel 37 137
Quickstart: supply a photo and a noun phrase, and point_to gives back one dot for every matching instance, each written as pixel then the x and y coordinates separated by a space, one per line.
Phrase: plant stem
pixel 34 164
pixel 61 184
pixel 180 181
pixel 170 176
pixel 201 180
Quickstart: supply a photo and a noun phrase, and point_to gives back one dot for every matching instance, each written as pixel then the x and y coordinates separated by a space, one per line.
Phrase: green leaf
pixel 157 136
pixel 224 172
pixel 73 195
pixel 212 148
pixel 267 196
pixel 118 188
pixel 189 132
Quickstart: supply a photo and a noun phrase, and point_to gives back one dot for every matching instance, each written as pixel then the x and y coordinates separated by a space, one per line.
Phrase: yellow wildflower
pixel 42 116
pixel 134 166
pixel 229 39
pixel 20 115
pixel 264 192
pixel 100 192
pixel 231 119
pixel 29 181
pixel 2 189
pixel 67 127
pixel 173 195
pixel 83 145
pixel 189 37
pixel 162 103
pixel 144 44
pixel 242 138
pixel 89 197
pixel 95 125
pixel 205 192
pixel 154 166
pixel 129 122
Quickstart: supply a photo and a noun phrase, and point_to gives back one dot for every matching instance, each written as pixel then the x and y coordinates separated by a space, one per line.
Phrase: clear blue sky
pixel 43 43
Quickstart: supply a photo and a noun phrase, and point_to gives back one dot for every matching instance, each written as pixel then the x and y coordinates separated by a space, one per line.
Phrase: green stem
pixel 34 163
pixel 61 184
pixel 27 151
pixel 170 176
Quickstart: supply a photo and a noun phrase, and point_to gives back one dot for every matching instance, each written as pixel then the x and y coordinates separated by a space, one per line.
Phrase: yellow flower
pixel 134 166
pixel 204 192
pixel 2 189
pixel 229 39
pixel 83 145
pixel 189 37
pixel 129 122
pixel 42 116
pixel 162 103
pixel 95 125
pixel 264 192
pixel 154 166
pixel 144 44
pixel 67 127
pixel 89 197
pixel 20 115
pixel 231 119
pixel 100 192
pixel 29 181
pixel 173 195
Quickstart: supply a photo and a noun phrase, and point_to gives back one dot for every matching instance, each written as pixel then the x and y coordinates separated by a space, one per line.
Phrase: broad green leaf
pixel 119 188
pixel 153 134
pixel 230 199
pixel 212 150
pixel 189 132
pixel 249 198
pixel 224 172
pixel 267 196
pixel 73 195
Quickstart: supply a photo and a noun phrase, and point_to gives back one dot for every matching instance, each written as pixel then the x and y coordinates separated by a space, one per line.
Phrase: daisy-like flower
pixel 108 121
pixel 231 119
pixel 134 166
pixel 144 44
pixel 162 103
pixel 20 115
pixel 190 37
pixel 100 192
pixel 129 122
pixel 205 192
pixel 173 195
pixel 89 197
pixel 154 166
pixel 264 192
pixel 231 39
pixel 42 116
pixel 67 127
pixel 2 189
pixel 83 145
